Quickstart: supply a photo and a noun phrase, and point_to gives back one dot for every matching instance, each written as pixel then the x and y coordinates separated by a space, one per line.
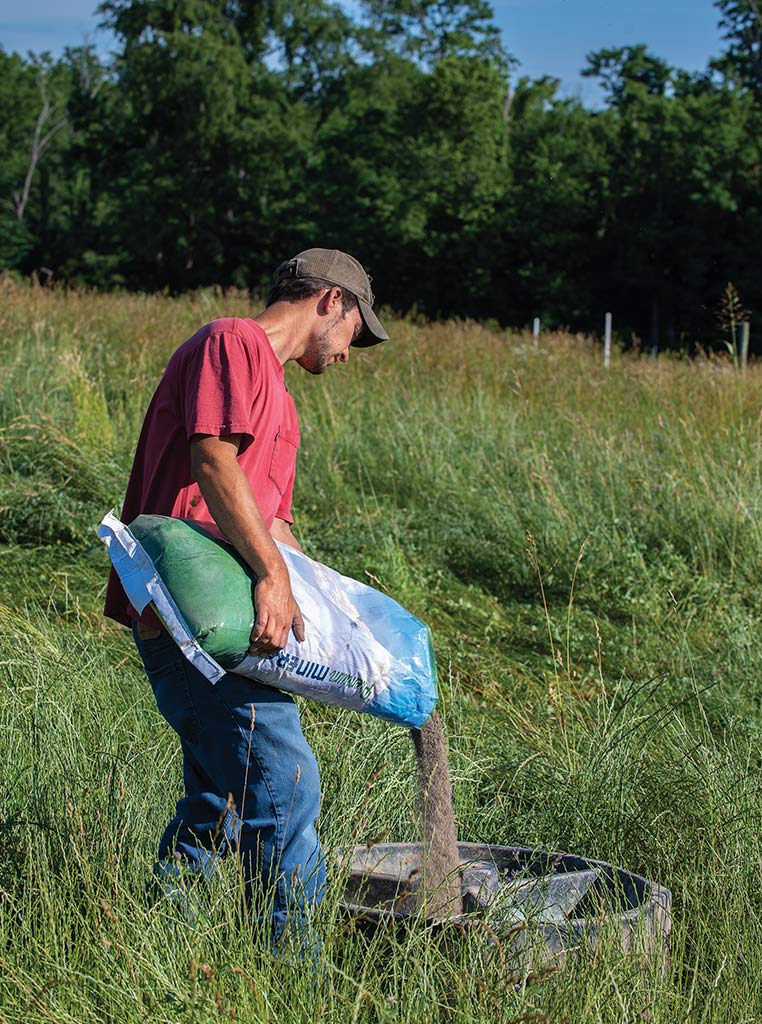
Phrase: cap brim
pixel 374 332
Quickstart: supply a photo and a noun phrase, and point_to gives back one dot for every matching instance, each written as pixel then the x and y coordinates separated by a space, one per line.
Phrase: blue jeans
pixel 251 785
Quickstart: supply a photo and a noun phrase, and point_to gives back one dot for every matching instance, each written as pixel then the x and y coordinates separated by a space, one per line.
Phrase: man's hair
pixel 294 289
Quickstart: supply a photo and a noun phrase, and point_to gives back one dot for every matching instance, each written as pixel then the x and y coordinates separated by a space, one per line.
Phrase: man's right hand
pixel 276 614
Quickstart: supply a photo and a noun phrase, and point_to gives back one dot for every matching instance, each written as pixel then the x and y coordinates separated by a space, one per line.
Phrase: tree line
pixel 221 136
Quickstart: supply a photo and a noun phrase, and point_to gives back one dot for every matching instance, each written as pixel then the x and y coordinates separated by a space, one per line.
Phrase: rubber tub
pixel 537 906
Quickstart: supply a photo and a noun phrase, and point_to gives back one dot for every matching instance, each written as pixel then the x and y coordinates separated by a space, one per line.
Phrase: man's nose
pixel 344 356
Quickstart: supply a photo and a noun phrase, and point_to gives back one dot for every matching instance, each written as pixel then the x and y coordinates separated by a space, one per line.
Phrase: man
pixel 218 446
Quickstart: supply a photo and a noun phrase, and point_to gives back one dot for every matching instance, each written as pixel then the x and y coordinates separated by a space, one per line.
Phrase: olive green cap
pixel 343 270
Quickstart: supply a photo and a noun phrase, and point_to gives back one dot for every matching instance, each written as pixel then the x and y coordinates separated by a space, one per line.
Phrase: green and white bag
pixel 362 650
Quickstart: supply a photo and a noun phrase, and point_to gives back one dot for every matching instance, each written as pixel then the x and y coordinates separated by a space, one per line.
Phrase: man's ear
pixel 330 301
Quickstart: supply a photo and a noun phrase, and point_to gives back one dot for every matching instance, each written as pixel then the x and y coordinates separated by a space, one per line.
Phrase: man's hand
pixel 277 614
pixel 281 530
pixel 231 502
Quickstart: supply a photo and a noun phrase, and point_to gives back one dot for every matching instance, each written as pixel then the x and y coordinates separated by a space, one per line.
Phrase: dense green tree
pixel 550 210
pixel 626 72
pixel 33 122
pixel 464 169
pixel 175 122
pixel 741 22
pixel 675 163
pixel 415 163
pixel 177 153
pixel 218 104
pixel 225 134
pixel 428 30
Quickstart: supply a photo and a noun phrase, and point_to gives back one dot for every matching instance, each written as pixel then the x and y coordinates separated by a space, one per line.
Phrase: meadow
pixel 586 546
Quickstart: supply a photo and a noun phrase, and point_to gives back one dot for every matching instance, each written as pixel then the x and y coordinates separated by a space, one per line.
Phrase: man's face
pixel 331 341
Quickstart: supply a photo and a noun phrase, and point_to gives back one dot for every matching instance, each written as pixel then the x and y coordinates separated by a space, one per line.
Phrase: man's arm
pixel 281 530
pixel 231 502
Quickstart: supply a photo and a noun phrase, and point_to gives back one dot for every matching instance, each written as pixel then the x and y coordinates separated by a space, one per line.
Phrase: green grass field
pixel 587 548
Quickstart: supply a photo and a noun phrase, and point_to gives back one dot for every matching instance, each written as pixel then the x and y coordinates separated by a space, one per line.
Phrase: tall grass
pixel 586 546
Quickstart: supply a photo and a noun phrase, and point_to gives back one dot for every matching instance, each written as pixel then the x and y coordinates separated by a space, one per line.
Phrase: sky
pixel 549 37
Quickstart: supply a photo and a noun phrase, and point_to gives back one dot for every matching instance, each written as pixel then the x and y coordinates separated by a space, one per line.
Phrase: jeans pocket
pixel 167 670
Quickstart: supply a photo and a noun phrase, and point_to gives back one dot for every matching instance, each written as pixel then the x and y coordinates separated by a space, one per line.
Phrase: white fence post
pixel 536 330
pixel 607 342
pixel 744 355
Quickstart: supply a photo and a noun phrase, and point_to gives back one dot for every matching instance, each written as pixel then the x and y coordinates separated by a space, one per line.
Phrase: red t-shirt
pixel 226 379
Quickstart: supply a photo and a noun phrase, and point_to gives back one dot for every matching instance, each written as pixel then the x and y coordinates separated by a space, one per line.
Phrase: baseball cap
pixel 338 268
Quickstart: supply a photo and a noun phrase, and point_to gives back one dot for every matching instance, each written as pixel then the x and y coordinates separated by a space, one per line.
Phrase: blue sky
pixel 549 37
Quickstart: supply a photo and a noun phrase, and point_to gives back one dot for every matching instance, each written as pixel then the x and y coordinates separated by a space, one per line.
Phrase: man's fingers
pixel 297 624
pixel 277 613
pixel 259 630
pixel 261 634
pixel 263 648
pixel 269 635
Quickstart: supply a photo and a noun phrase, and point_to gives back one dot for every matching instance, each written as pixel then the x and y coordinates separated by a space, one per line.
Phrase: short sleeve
pixel 221 383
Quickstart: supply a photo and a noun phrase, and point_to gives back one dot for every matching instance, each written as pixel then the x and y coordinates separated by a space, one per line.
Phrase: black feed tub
pixel 537 906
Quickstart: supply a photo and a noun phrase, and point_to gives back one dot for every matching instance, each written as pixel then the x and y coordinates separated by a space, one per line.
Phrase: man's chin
pixel 314 368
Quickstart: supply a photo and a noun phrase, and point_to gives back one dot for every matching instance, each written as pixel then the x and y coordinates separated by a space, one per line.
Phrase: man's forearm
pixel 231 502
